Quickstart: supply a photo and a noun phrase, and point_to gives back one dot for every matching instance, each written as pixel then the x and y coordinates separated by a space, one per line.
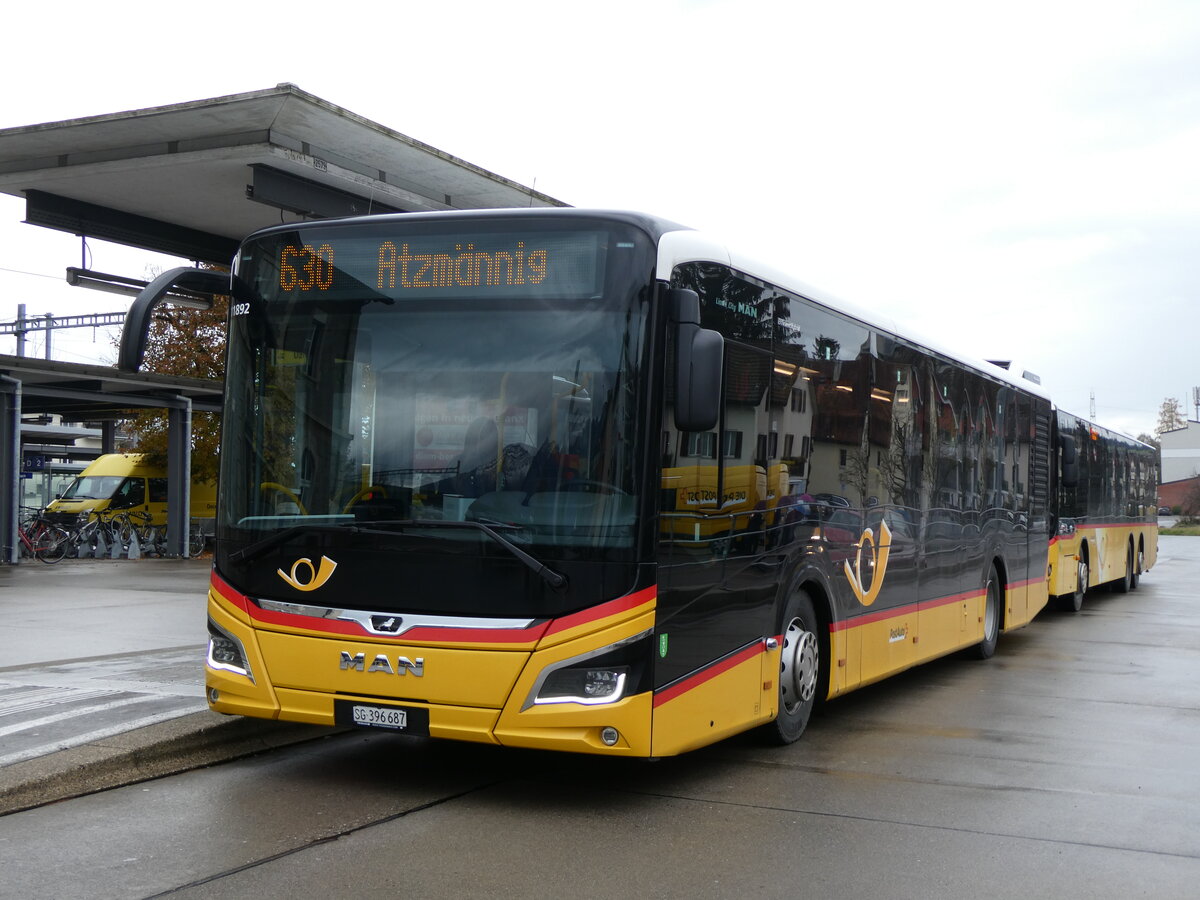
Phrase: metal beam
pixel 309 198
pixel 97 395
pixel 90 220
pixel 49 320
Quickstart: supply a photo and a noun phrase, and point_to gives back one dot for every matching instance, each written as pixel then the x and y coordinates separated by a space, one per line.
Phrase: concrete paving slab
pixel 102 680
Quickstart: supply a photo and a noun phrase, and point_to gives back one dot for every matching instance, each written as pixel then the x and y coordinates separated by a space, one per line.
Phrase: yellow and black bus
pixel 593 482
pixel 1106 525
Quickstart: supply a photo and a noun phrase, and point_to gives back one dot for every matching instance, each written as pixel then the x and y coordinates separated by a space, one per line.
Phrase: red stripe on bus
pixel 481 635
pixel 910 608
pixel 720 667
pixel 603 611
pixel 228 593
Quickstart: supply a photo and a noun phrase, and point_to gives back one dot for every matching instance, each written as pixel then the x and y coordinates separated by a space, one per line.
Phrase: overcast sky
pixel 1017 180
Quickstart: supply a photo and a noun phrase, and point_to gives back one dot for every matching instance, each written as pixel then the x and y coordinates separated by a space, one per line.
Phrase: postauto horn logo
pixel 876 565
pixel 304 576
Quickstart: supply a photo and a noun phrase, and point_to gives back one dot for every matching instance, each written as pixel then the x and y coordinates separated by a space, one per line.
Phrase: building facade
pixel 1180 453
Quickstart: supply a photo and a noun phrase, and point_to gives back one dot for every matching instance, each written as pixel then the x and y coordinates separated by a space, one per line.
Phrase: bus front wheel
pixel 991 616
pixel 800 670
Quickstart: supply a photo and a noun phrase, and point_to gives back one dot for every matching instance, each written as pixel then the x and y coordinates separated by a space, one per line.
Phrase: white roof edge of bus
pixel 676 247
pixel 1092 422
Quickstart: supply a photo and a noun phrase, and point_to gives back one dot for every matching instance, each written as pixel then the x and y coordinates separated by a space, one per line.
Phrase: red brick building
pixel 1183 494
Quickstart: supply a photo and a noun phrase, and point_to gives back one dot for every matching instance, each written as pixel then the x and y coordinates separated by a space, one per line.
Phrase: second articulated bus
pixel 591 482
pixel 1106 530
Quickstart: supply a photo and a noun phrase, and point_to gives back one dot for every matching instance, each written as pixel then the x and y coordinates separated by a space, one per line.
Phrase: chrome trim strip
pixel 534 700
pixel 364 619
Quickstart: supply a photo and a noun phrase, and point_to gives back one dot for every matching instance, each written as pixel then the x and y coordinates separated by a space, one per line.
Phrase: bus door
pixel 717 577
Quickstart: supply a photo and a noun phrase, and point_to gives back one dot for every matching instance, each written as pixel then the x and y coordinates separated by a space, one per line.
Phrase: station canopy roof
pixel 193 179
pixel 81 393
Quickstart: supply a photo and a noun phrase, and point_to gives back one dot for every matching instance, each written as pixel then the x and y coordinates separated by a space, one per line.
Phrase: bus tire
pixel 1124 584
pixel 1136 575
pixel 991 616
pixel 1073 602
pixel 801 670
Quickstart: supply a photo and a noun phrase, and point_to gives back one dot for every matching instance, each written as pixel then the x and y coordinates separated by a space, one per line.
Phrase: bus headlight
pixel 226 653
pixel 587 686
pixel 604 675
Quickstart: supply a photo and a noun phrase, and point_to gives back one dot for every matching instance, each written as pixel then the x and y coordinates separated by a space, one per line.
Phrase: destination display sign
pixel 367 263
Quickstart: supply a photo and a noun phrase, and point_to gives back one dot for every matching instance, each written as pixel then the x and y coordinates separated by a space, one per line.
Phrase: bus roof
pixel 692 246
pixel 679 244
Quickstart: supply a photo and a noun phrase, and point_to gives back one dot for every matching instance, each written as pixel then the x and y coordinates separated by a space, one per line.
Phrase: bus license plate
pixel 394 718
pixel 380 717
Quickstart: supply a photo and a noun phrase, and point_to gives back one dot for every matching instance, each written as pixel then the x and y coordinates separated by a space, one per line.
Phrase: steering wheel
pixel 269 486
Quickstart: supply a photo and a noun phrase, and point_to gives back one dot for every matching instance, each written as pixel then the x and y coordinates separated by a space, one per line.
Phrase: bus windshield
pixel 366 390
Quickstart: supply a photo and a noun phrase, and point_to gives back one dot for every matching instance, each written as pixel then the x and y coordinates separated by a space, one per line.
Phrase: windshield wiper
pixel 556 580
pixel 258 548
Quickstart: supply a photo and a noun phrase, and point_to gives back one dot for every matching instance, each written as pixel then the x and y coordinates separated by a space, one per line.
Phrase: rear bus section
pixel 1105 515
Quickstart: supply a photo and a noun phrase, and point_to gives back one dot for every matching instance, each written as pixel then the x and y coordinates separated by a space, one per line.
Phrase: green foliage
pixel 1185 527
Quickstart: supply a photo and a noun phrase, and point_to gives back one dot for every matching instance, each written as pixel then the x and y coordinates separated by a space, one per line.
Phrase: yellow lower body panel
pixel 460 723
pixel 734 701
pixel 484 696
pixel 479 678
pixel 578 729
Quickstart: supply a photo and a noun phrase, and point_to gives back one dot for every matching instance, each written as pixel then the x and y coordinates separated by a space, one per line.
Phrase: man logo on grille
pixel 389 624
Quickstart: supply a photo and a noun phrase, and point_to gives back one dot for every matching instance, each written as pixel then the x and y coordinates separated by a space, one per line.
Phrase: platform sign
pixel 33 462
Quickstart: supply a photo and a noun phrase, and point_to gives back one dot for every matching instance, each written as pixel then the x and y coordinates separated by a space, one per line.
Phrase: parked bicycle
pixel 94 535
pixel 41 538
pixel 197 539
pixel 114 533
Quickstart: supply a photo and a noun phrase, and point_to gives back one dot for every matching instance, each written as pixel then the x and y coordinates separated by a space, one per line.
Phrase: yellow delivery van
pixel 122 481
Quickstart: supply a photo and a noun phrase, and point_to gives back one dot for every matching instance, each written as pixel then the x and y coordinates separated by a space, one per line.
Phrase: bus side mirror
pixel 198 284
pixel 699 356
pixel 1070 465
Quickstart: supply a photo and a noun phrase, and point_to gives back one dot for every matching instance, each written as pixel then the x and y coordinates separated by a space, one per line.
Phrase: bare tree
pixel 1170 416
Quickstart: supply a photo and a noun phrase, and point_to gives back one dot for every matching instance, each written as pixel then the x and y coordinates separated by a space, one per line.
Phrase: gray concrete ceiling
pixel 189 164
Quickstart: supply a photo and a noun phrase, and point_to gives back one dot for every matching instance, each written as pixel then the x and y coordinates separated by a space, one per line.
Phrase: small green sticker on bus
pixel 662 645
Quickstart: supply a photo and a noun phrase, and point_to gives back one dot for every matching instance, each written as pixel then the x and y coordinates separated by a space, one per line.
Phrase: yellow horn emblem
pixel 316 577
pixel 878 562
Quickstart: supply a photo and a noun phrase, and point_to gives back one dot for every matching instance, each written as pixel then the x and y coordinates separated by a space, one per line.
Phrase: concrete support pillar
pixel 10 469
pixel 179 476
